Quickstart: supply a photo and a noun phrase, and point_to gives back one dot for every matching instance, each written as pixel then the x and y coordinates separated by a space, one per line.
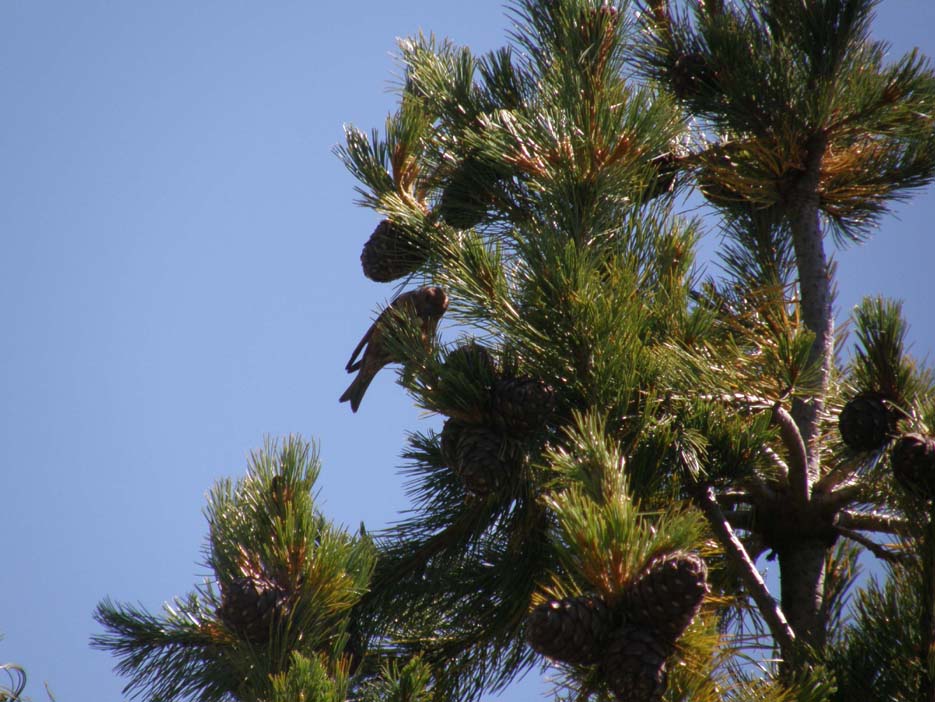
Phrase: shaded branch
pixel 881 552
pixel 795 448
pixel 846 495
pixel 873 521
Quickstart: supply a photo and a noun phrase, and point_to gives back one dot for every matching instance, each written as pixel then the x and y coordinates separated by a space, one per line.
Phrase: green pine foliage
pixel 264 527
pixel 615 424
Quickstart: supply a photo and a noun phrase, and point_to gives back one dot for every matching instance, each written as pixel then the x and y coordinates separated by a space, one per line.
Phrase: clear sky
pixel 179 277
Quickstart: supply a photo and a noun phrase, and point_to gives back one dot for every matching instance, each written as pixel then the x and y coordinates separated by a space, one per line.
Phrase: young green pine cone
pixel 522 405
pixel 391 253
pixel 867 422
pixel 913 463
pixel 668 594
pixel 572 630
pixel 634 665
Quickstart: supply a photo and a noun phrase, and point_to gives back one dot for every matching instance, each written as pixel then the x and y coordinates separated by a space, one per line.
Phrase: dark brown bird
pixel 425 304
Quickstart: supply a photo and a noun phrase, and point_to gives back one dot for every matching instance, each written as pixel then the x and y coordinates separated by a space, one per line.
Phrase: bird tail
pixel 355 391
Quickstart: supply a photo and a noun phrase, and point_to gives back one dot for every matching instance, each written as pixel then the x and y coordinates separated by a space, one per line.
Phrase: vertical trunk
pixel 927 691
pixel 802 566
pixel 802 571
pixel 816 293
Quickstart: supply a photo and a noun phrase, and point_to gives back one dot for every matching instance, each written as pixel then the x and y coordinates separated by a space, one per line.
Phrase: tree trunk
pixel 802 564
pixel 816 293
pixel 802 573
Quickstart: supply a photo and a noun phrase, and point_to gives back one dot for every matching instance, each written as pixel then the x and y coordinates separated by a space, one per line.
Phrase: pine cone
pixel 667 166
pixel 572 630
pixel 479 459
pixel 469 194
pixel 472 359
pixel 448 444
pixel 913 462
pixel 867 421
pixel 668 593
pixel 252 606
pixel 634 665
pixel 522 405
pixel 687 74
pixel 390 253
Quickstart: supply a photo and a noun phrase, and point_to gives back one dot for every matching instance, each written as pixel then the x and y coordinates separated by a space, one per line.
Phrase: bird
pixel 426 304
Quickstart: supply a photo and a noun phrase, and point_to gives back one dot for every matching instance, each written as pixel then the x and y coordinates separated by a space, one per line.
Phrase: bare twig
pixel 881 552
pixel 769 609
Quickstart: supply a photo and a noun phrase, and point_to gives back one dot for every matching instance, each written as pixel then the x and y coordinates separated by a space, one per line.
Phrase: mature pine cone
pixel 634 665
pixel 668 593
pixel 391 253
pixel 472 358
pixel 480 462
pixel 667 166
pixel 572 630
pixel 913 461
pixel 522 405
pixel 867 421
pixel 448 444
pixel 687 74
pixel 469 193
pixel 251 606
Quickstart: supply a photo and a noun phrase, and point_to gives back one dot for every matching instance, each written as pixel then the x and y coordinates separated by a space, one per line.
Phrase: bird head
pixel 431 302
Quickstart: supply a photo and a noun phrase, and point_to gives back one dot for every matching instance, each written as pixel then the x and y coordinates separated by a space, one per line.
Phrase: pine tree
pixel 622 439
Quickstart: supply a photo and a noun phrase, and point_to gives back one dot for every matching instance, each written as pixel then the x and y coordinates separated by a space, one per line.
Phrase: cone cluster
pixel 252 606
pixel 477 454
pixel 480 445
pixel 913 462
pixel 635 665
pixel 867 421
pixel 631 640
pixel 572 630
pixel 391 253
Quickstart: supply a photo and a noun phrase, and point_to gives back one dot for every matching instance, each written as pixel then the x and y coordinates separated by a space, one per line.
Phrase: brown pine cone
pixel 913 463
pixel 522 405
pixel 468 194
pixel 448 443
pixel 480 460
pixel 572 630
pixel 634 665
pixel 252 605
pixel 668 593
pixel 391 253
pixel 867 421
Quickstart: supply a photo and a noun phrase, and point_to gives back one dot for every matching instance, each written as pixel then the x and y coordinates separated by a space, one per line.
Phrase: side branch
pixel 881 552
pixel 873 521
pixel 798 454
pixel 772 614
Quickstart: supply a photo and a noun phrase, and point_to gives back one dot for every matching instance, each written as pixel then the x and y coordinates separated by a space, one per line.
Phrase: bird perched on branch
pixel 426 305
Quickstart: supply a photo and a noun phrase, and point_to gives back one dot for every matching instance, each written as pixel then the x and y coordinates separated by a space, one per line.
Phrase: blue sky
pixel 179 277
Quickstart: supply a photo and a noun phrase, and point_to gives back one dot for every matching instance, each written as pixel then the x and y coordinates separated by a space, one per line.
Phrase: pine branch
pixel 768 607
pixel 797 452
pixel 873 521
pixel 884 554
